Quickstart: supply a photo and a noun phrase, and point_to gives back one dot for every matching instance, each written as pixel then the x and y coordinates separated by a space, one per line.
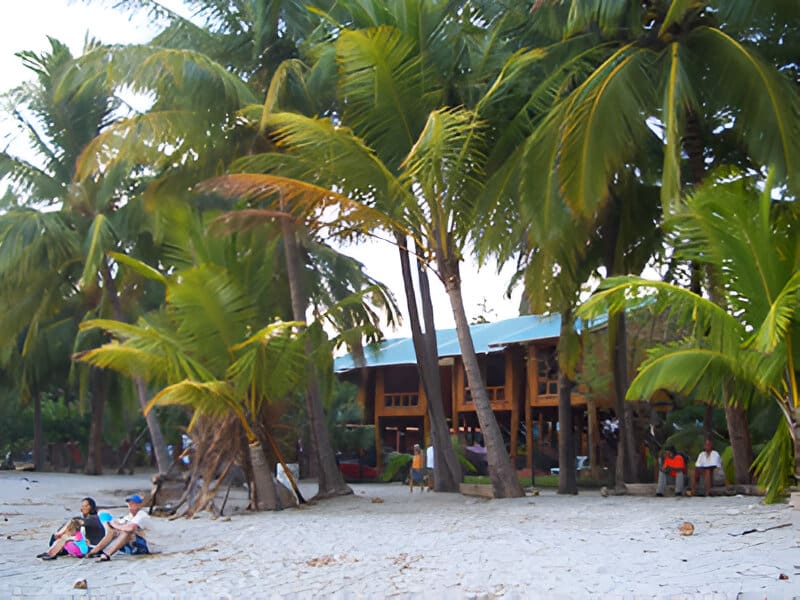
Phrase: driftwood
pixel 759 529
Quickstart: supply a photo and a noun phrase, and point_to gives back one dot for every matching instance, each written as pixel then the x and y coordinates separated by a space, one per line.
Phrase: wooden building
pixel 519 366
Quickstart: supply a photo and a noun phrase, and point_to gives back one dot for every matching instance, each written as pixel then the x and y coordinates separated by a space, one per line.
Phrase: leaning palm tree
pixel 207 352
pixel 746 345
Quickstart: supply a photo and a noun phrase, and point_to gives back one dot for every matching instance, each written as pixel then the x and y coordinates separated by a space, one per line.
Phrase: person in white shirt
pixel 130 532
pixel 429 466
pixel 707 461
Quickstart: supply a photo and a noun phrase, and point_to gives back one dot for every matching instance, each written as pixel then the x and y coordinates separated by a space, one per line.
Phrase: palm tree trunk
pixel 38 438
pixel 619 368
pixel 331 482
pixel 505 482
pixel 567 474
pixel 738 430
pixel 741 445
pixel 163 462
pixel 446 471
pixel 94 454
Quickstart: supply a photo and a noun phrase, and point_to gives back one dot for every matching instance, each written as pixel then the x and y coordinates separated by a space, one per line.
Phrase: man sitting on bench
pixel 707 461
pixel 673 465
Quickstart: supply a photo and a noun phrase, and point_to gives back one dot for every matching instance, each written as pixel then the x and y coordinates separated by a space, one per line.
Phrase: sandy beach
pixel 383 542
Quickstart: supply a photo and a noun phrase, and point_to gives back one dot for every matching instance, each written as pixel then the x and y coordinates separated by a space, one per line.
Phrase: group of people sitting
pixel 100 535
pixel 674 465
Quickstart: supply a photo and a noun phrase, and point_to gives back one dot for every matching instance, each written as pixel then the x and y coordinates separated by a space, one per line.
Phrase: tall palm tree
pixel 667 67
pixel 745 345
pixel 73 220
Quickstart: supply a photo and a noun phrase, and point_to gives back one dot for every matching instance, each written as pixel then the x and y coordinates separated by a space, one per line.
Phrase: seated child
pixel 76 539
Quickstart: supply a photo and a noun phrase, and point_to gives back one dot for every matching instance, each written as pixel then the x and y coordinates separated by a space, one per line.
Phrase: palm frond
pixel 32 241
pixel 606 118
pixel 159 139
pixel 772 466
pixel 720 330
pixel 270 364
pixel 781 320
pixel 317 206
pixel 101 237
pixel 446 163
pixel 382 87
pixel 214 399
pixel 765 104
pixel 160 355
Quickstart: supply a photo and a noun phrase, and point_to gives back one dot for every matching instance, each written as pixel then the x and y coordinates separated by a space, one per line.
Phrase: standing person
pixel 708 460
pixel 429 466
pixel 131 532
pixel 673 465
pixel 417 469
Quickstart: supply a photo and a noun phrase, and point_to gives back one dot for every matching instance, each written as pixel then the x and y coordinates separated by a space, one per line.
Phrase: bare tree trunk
pixel 446 471
pixel 331 482
pixel 38 438
pixel 94 454
pixel 505 482
pixel 567 473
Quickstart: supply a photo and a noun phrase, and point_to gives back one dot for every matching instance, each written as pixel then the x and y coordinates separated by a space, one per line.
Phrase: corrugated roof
pixel 487 337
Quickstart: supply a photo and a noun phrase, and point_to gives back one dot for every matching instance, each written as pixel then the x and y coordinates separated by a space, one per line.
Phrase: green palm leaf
pixel 765 104
pixel 604 124
pixel 382 89
pixel 101 237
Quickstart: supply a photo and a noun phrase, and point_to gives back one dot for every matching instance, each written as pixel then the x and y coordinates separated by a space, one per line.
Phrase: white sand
pixel 427 545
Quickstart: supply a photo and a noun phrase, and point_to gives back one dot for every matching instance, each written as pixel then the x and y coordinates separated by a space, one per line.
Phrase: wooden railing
pixel 497 395
pixel 401 400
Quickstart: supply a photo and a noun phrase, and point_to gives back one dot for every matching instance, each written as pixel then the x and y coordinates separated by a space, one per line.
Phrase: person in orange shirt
pixel 417 470
pixel 673 465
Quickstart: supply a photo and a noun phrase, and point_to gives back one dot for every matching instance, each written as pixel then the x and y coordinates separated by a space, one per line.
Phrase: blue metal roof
pixel 487 337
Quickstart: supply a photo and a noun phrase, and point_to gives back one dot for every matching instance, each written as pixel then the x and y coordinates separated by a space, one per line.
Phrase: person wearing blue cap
pixel 129 532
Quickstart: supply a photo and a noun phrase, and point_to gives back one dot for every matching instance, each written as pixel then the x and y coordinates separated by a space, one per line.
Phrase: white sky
pixel 25 25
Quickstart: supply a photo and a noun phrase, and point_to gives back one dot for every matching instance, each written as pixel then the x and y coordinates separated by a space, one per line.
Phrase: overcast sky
pixel 25 25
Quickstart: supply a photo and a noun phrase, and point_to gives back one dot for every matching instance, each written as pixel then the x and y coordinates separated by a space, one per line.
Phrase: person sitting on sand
pixel 94 530
pixel 72 539
pixel 707 461
pixel 673 465
pixel 417 474
pixel 129 532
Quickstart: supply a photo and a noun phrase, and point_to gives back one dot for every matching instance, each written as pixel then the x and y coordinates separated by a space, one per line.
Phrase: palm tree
pixel 441 166
pixel 665 66
pixel 745 345
pixel 60 119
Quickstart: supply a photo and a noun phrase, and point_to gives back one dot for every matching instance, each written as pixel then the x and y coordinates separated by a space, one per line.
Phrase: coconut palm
pixel 744 346
pixel 58 227
pixel 661 68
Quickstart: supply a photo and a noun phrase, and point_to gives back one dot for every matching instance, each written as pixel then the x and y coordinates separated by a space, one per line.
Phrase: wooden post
pixel 530 390
pixel 594 437
pixel 378 444
pixel 512 375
